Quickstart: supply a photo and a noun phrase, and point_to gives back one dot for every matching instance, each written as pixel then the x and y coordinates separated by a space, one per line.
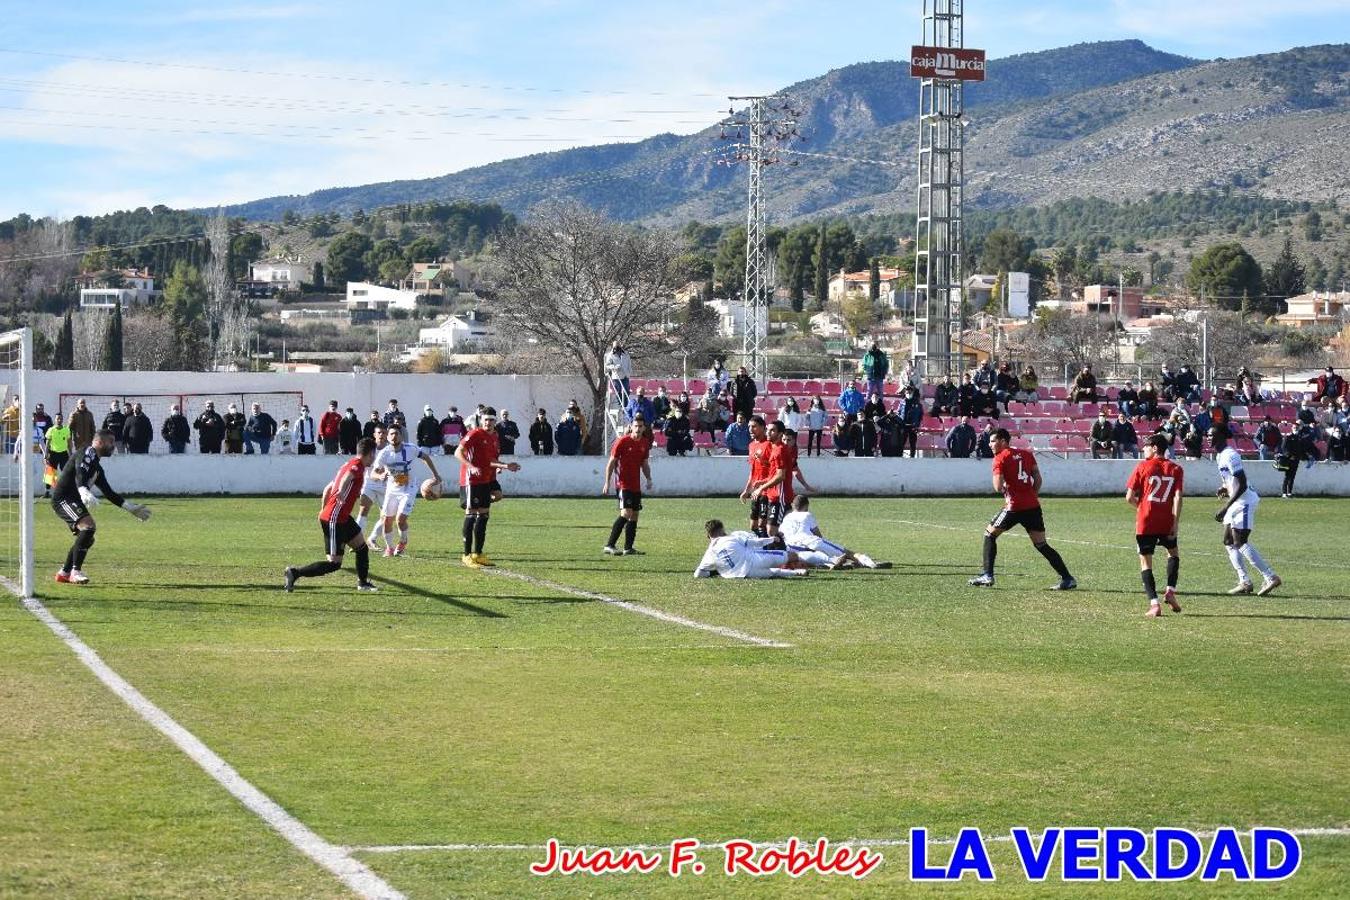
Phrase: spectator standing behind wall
pixel 235 424
pixel 541 434
pixel 911 420
pixel 568 435
pixel 678 439
pixel 11 421
pixel 329 425
pixel 452 431
pixel 306 435
pixel 41 422
pixel 961 439
pixel 349 432
pixel 82 426
pixel 817 417
pixel 1126 438
pixel 508 432
pixel 983 449
pixel 738 437
pixel 138 430
pixel 618 369
pixel 175 430
pixel 876 365
pixel 115 421
pixel 261 429
pixel 640 405
pixel 429 430
pixel 210 429
pixel 368 429
pixel 394 416
pixel 851 400
pixel 743 393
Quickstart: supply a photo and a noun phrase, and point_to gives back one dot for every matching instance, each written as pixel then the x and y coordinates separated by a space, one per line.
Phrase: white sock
pixel 814 557
pixel 787 573
pixel 1235 558
pixel 865 561
pixel 1252 556
pixel 403 535
pixel 378 534
pixel 361 521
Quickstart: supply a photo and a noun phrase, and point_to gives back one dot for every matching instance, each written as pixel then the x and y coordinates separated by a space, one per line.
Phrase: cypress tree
pixel 822 270
pixel 111 358
pixel 64 355
pixel 874 281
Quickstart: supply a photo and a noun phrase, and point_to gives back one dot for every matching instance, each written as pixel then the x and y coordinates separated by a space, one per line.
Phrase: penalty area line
pixel 337 860
pixel 851 842
pixel 630 606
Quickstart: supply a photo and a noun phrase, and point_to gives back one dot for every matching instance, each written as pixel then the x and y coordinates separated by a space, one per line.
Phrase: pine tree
pixel 822 269
pixel 64 356
pixel 111 358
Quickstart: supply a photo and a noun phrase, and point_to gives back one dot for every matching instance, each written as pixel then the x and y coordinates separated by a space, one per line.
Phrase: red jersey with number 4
pixel 1156 482
pixel 785 461
pixel 343 496
pixel 629 453
pixel 1018 468
pixel 480 448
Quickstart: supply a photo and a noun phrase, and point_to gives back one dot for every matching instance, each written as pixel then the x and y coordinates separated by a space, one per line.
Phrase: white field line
pixel 641 610
pixel 353 873
pixel 481 648
pixel 851 842
pixel 978 532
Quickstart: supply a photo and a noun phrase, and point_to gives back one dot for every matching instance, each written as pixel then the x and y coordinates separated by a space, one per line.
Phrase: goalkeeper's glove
pixel 88 497
pixel 137 510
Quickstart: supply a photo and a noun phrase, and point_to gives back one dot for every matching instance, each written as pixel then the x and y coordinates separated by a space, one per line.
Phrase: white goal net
pixel 19 474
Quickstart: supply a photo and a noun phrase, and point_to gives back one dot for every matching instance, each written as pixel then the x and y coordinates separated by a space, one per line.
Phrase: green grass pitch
pixel 455 707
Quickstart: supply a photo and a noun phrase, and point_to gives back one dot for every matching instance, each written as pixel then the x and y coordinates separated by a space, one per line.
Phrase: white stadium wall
pixel 559 476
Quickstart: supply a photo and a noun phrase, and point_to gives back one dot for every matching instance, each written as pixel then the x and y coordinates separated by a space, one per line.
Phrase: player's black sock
pixel 629 533
pixel 84 539
pixel 1173 568
pixel 316 569
pixel 1056 561
pixel 469 521
pixel 479 533
pixel 615 530
pixel 1150 586
pixel 70 560
pixel 990 553
pixel 363 564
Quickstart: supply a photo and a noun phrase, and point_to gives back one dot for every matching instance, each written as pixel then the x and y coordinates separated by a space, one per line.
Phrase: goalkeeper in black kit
pixel 72 497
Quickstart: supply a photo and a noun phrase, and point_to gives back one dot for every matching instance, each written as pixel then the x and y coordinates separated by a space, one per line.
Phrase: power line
pixel 320 76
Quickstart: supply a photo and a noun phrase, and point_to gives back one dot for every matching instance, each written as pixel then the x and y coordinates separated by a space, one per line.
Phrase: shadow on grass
pixel 442 598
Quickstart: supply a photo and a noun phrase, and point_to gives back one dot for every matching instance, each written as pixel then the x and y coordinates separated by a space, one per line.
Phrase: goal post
pixel 19 481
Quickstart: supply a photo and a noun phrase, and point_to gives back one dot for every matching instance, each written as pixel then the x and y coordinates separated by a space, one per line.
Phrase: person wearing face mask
pixel 176 431
pixel 210 429
pixel 305 434
pixel 139 430
pixel 349 432
pixel 234 430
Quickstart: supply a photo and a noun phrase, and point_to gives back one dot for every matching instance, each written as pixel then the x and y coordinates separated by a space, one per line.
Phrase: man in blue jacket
pixel 961 439
pixel 738 437
pixel 851 400
pixel 639 404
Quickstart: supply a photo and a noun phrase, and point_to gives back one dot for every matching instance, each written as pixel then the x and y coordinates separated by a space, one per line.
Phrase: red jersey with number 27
pixel 480 448
pixel 341 499
pixel 1156 482
pixel 1018 468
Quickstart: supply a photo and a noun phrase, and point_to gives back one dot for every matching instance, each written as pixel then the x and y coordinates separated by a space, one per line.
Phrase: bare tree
pixel 225 312
pixel 1233 342
pixel 1057 338
pixel 89 332
pixel 572 282
pixel 148 341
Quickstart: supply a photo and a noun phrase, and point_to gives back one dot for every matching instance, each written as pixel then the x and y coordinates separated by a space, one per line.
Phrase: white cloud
pixel 1214 23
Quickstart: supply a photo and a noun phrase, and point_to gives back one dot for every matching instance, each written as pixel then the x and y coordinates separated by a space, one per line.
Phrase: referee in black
pixel 72 497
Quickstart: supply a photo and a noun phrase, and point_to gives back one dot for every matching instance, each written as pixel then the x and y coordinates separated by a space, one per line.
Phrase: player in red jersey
pixel 1018 479
pixel 1155 488
pixel 626 467
pixel 760 448
pixel 478 467
pixel 777 488
pixel 339 528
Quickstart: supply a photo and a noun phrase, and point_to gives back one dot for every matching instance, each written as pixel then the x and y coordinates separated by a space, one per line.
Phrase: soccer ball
pixel 431 489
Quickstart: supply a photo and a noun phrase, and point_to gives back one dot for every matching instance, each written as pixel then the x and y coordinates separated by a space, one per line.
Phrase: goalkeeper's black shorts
pixel 70 511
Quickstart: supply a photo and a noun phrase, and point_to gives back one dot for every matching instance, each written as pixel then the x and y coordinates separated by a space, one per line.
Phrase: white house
pixel 1324 308
pixel 730 317
pixel 136 287
pixel 842 284
pixel 829 326
pixel 457 331
pixel 362 295
pixel 282 274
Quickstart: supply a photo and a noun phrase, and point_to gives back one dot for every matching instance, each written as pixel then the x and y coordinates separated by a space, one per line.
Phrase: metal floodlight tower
pixel 943 65
pixel 766 124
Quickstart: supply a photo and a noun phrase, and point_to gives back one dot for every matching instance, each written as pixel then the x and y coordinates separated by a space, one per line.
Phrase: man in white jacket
pixel 619 368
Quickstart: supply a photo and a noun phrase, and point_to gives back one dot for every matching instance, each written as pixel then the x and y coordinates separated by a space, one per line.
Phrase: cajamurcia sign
pixel 955 63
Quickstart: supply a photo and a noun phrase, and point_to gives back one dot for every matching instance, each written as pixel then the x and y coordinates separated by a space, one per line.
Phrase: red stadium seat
pixel 697 386
pixel 1056 393
pixel 775 386
pixel 1053 408
pixel 811 388
pixel 794 388
pixel 932 445
pixel 1088 410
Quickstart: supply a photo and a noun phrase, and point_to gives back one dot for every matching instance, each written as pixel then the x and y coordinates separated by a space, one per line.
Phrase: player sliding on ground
pixel 1155 488
pixel 626 466
pixel 394 465
pixel 72 497
pixel 477 455
pixel 339 528
pixel 743 555
pixel 802 536
pixel 1238 516
pixel 1018 479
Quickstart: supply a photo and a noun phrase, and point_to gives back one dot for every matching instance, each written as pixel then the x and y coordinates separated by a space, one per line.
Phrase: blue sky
pixel 140 102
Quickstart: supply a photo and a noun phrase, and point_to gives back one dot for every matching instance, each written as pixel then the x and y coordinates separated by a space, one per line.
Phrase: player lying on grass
pixel 1018 479
pixel 1155 489
pixel 1238 516
pixel 743 555
pixel 72 497
pixel 339 528
pixel 802 536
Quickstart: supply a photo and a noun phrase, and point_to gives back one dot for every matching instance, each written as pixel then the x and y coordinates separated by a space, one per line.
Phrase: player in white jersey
pixel 394 464
pixel 743 555
pixel 372 490
pixel 801 534
pixel 1238 516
